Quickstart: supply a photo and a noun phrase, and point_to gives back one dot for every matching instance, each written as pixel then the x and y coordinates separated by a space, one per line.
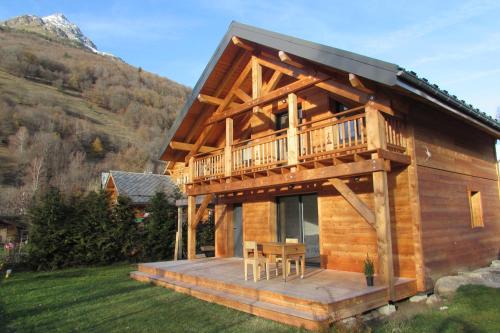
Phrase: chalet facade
pixel 348 154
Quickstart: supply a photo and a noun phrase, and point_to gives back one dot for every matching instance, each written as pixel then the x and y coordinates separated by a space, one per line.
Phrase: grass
pixel 473 309
pixel 105 299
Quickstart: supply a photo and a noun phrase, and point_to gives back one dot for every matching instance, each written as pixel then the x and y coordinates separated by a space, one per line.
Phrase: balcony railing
pixel 209 165
pixel 332 135
pixel 263 152
pixel 339 134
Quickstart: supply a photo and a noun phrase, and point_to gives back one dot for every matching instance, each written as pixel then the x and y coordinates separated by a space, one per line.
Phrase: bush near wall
pixel 88 230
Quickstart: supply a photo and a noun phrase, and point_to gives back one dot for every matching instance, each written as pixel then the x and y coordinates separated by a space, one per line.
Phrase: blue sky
pixel 455 44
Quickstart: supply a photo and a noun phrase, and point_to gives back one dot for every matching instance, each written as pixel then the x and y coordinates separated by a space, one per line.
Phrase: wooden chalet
pixel 349 154
pixel 139 187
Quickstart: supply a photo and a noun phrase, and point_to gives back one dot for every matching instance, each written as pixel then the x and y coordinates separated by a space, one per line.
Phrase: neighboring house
pixel 139 187
pixel 349 154
pixel 12 229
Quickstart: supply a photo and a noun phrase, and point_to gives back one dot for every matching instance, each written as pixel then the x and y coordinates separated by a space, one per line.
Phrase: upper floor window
pixel 335 106
pixel 476 209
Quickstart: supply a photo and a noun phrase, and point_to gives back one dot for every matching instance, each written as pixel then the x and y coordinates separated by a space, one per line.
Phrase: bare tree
pixel 36 169
pixel 19 141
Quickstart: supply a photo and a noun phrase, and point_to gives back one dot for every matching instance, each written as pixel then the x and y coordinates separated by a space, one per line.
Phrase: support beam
pixel 238 42
pixel 269 97
pixel 210 100
pixel 191 212
pixel 242 95
pixel 353 199
pixel 176 145
pixel 191 174
pixel 358 84
pixel 178 235
pixel 343 90
pixel 256 82
pixel 383 228
pixel 292 139
pixel 228 154
pixel 204 204
pixel 288 60
pixel 273 82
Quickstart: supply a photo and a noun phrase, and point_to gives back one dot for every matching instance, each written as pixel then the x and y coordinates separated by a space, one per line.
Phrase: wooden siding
pixel 453 158
pixel 259 221
pixel 346 238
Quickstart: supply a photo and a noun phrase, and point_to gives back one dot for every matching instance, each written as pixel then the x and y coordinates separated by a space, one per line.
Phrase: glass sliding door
pixel 298 218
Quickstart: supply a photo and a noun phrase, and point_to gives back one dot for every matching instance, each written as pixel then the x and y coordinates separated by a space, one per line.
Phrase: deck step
pixel 284 314
pixel 300 304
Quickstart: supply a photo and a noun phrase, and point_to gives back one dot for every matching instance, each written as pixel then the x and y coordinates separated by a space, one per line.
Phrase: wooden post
pixel 256 81
pixel 375 127
pixel 191 211
pixel 191 169
pixel 293 154
pixel 228 154
pixel 178 235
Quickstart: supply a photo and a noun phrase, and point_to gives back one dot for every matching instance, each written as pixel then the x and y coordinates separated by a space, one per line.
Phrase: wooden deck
pixel 322 297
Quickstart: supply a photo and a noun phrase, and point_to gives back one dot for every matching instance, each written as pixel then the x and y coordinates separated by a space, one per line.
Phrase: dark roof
pixel 141 187
pixel 376 70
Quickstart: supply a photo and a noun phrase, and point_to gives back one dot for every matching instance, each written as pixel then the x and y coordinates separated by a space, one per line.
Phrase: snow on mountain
pixel 55 25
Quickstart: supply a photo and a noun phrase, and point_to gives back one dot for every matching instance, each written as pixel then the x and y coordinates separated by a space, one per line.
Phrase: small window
pixel 476 209
pixel 336 106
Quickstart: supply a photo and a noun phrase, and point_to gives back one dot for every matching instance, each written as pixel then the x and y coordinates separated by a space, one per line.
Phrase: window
pixel 476 209
pixel 336 106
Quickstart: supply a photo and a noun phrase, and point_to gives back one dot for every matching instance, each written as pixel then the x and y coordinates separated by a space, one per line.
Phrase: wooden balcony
pixel 320 140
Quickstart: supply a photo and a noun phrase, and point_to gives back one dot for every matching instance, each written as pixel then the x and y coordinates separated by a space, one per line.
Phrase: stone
pixel 432 299
pixel 387 310
pixel 495 264
pixel 349 322
pixel 418 298
pixel 448 285
pixel 443 308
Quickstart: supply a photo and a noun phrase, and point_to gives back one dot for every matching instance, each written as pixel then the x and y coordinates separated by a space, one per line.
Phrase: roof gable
pixel 382 72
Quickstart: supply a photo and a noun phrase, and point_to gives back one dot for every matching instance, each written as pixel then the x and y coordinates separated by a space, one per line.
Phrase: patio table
pixel 284 250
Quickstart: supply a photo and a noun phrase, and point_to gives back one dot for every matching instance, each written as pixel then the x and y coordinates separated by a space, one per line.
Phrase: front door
pixel 298 218
pixel 238 230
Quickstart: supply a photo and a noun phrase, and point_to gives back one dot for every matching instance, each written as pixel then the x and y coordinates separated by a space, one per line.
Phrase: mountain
pixel 68 113
pixel 55 26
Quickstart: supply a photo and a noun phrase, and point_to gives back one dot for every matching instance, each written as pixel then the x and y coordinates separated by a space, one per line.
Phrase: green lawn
pixel 105 300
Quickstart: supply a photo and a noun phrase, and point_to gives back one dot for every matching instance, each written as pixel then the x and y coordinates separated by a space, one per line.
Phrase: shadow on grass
pixel 454 324
pixel 93 297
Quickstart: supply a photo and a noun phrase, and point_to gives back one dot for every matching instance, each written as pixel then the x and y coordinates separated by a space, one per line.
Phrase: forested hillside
pixel 66 114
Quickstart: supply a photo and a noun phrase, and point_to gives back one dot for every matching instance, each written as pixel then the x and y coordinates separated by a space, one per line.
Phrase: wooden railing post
pixel 191 170
pixel 178 235
pixel 293 146
pixel 228 153
pixel 191 211
pixel 375 127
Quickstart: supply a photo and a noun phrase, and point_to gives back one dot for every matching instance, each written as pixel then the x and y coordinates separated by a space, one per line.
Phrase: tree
pixel 97 147
pixel 48 244
pixel 130 245
pixel 19 141
pixel 160 228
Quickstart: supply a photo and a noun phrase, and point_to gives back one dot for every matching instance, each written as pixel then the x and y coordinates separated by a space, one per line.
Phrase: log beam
pixel 285 57
pixel 176 145
pixel 228 154
pixel 353 199
pixel 191 212
pixel 269 97
pixel 292 139
pixel 238 42
pixel 204 204
pixel 358 84
pixel 256 82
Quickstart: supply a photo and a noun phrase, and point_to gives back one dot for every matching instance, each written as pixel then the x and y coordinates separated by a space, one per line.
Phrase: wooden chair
pixel 252 257
pixel 292 258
